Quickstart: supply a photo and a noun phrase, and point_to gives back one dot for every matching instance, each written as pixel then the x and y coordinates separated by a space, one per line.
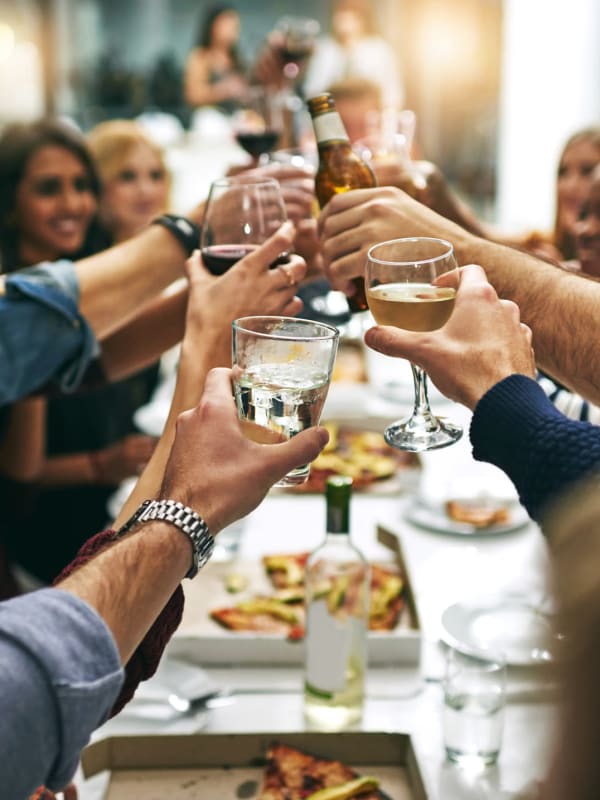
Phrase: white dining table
pixel 443 569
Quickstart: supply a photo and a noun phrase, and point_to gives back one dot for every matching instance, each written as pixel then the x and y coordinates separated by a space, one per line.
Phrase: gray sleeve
pixel 59 677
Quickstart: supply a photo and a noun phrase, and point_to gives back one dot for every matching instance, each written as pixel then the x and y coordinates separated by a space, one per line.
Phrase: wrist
pixel 96 466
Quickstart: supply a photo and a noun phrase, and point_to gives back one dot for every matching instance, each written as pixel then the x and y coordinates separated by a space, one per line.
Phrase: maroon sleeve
pixel 144 661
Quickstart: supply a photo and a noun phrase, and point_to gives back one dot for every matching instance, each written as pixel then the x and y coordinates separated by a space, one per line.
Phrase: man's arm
pixel 482 357
pixel 562 309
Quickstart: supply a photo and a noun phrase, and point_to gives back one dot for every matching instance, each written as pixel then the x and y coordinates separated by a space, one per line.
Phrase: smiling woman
pixel 48 193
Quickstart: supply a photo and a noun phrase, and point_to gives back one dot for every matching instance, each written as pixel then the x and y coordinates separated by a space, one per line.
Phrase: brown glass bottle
pixel 340 169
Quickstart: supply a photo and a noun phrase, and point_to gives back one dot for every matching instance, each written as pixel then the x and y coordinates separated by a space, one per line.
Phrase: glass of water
pixel 282 369
pixel 474 701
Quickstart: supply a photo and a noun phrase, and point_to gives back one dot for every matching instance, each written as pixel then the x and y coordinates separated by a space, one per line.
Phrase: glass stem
pixel 421 408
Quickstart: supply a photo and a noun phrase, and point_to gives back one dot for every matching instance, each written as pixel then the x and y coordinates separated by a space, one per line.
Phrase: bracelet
pixel 182 517
pixel 183 229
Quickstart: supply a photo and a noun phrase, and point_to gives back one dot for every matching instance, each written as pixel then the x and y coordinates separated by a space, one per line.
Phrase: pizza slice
pixel 262 615
pixel 286 570
pixel 477 513
pixel 291 774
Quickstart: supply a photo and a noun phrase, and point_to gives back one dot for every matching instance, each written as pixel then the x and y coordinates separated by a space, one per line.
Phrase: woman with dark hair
pixel 214 75
pixel 49 192
pixel 68 452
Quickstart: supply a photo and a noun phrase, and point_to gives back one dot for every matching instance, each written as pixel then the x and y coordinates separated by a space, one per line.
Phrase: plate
pixel 433 517
pixel 518 630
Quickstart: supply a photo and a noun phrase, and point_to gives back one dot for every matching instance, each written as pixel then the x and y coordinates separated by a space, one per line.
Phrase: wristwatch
pixel 182 517
pixel 183 229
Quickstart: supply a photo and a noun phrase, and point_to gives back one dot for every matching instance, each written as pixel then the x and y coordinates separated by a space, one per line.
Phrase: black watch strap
pixel 183 229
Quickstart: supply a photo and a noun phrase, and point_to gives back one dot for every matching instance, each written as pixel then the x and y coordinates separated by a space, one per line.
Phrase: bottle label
pixel 329 128
pixel 329 646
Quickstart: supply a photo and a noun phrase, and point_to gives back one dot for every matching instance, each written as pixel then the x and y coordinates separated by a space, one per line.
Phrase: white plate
pixel 433 517
pixel 509 626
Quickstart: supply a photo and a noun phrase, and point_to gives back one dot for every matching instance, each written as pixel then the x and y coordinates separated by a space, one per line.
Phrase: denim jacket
pixel 43 337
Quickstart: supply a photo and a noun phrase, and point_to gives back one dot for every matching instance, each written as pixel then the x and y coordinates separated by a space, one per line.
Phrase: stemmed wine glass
pixel 298 36
pixel 241 213
pixel 258 125
pixel 402 291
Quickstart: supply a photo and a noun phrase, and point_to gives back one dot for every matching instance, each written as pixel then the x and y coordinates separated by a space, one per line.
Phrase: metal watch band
pixel 184 518
pixel 183 229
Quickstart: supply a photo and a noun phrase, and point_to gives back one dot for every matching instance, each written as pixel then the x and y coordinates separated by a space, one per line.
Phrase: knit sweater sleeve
pixel 517 428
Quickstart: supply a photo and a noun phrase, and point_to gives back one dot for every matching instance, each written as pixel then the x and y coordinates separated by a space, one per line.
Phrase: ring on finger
pixel 289 274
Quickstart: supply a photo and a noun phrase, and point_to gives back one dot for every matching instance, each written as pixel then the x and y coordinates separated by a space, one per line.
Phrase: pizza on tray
pixel 291 774
pixel 362 455
pixel 283 611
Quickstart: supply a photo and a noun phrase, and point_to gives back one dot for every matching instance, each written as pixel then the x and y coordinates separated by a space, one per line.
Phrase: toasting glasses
pixel 402 291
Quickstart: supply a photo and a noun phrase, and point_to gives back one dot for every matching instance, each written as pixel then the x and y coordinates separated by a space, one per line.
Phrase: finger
pixel 290 274
pixel 218 387
pixel 261 258
pixel 300 449
pixel 341 271
pixel 395 342
pixel 512 309
pixel 350 240
pixel 528 333
pixel 293 307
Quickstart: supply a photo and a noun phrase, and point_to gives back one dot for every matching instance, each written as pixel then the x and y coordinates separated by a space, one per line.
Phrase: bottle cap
pixel 337 492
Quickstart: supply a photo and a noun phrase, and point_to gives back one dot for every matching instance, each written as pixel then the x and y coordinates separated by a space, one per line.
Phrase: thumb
pixel 280 242
pixel 395 342
pixel 300 449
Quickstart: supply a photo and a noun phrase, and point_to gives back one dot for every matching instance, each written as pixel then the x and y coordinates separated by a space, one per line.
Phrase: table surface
pixel 443 569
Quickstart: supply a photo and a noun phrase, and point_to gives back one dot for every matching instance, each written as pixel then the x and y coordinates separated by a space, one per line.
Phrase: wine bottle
pixel 337 613
pixel 340 169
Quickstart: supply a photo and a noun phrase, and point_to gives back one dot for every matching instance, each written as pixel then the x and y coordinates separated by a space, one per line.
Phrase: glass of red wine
pixel 241 213
pixel 259 123
pixel 298 35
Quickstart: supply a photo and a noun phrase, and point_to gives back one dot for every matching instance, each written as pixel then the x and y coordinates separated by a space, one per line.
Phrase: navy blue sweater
pixel 516 427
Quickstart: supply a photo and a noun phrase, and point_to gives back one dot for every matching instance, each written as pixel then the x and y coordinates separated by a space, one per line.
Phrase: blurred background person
pixel 134 178
pixel 354 49
pixel 214 74
pixel 587 230
pixel 68 452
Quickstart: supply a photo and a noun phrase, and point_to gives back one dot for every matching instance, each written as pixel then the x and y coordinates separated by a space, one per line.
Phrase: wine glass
pixel 241 213
pixel 297 37
pixel 402 291
pixel 258 125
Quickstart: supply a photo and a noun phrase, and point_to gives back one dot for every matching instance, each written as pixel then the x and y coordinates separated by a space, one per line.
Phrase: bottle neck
pixel 338 520
pixel 329 128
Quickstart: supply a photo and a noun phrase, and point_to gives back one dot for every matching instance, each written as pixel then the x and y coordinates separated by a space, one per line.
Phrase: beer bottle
pixel 337 582
pixel 340 169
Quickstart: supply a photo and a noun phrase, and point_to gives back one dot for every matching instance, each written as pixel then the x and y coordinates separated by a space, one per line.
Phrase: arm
pixel 250 287
pixel 482 357
pixel 116 283
pixel 143 340
pixel 118 594
pixel 198 91
pixel 351 223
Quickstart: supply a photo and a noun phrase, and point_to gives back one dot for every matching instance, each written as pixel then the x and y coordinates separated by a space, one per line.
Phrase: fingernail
pixel 323 436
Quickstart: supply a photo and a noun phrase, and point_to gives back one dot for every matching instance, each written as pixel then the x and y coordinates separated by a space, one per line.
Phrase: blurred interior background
pixel 497 85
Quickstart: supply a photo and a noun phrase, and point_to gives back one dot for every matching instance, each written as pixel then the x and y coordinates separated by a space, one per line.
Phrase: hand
pixel 354 221
pixel 249 287
pixel 482 342
pixel 216 470
pixel 308 245
pixel 297 187
pixel 122 459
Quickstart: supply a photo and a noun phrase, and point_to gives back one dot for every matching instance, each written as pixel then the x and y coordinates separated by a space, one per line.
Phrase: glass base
pixel 418 434
pixel 293 478
pixel 472 761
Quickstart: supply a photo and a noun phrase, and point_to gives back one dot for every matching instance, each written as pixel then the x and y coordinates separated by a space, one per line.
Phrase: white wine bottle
pixel 337 616
pixel 340 169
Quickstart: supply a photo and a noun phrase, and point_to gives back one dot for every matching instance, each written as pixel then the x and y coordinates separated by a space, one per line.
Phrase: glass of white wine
pixel 403 291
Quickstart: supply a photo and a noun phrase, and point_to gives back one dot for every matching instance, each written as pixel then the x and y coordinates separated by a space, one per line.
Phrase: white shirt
pixel 371 58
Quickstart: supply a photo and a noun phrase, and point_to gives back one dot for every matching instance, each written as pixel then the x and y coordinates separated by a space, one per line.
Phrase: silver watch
pixel 184 518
